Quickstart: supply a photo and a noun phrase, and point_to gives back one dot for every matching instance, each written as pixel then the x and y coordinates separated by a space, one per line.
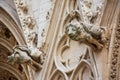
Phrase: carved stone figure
pixel 19 57
pixel 22 55
pixel 80 32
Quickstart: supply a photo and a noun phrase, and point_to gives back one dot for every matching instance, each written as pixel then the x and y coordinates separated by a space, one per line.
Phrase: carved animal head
pixel 13 58
pixel 19 55
pixel 73 31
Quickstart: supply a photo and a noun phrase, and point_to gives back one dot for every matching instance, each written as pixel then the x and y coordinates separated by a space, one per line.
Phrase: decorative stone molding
pixel 12 35
pixel 22 5
pixel 114 72
pixel 6 34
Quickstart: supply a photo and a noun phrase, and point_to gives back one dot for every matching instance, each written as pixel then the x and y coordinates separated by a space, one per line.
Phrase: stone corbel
pixel 23 55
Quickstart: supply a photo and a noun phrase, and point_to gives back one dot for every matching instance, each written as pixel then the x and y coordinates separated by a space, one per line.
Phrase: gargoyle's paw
pixel 100 46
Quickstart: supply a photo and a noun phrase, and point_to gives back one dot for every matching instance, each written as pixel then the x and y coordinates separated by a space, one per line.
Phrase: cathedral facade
pixel 59 39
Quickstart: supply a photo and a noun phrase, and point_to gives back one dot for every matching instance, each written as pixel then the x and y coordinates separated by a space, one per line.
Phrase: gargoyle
pixel 87 33
pixel 22 55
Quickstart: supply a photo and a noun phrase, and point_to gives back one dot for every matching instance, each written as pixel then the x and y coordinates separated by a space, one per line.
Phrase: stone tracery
pixel 81 30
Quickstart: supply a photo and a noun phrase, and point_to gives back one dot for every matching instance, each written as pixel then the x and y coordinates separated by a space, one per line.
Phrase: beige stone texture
pixel 59 39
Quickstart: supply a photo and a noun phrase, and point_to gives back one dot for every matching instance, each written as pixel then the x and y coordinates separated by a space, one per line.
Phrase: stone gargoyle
pixel 22 55
pixel 89 33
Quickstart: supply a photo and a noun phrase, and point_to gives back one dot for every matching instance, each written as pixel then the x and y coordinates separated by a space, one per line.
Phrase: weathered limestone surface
pixel 59 39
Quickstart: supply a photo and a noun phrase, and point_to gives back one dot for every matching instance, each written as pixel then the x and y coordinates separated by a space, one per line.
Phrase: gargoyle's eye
pixel 81 23
pixel 73 29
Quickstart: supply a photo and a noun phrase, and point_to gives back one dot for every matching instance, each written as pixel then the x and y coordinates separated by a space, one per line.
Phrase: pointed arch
pixel 8 17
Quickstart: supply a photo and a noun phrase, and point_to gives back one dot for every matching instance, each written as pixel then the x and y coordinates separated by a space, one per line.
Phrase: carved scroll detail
pixel 86 70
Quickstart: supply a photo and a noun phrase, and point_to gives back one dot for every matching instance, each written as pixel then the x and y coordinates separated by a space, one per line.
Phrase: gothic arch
pixel 9 18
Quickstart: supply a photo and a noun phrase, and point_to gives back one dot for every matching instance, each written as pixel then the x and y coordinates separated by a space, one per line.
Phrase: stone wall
pixel 64 39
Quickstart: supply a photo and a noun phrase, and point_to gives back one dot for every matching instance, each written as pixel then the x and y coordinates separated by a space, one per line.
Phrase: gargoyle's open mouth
pixel 73 37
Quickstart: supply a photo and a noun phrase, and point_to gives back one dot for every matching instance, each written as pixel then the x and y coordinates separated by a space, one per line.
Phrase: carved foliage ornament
pixel 27 21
